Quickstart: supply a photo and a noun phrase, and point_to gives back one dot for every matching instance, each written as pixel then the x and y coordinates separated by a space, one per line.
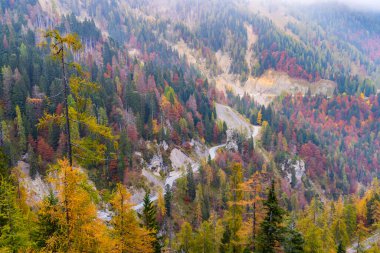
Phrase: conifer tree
pixel 168 200
pixel 78 115
pixel 293 240
pixel 33 161
pixel 341 248
pixel 20 130
pixel 272 231
pixel 129 235
pixel 149 217
pixel 76 213
pixel 14 235
pixel 253 189
pixel 208 237
pixel 161 205
pixel 47 225
pixel 4 163
pixel 7 75
pixel 185 238
pixel 191 189
pixel 235 209
pixel 60 46
pixel 259 118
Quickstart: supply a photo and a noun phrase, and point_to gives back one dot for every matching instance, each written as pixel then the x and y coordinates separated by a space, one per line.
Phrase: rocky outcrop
pixel 294 171
pixel 36 188
pixel 231 144
pixel 179 159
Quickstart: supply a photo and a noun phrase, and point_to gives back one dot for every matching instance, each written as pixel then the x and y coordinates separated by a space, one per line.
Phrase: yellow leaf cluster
pixel 129 236
pixel 76 214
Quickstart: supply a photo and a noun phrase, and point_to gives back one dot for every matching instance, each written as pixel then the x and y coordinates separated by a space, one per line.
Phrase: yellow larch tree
pixel 259 117
pixel 78 106
pixel 80 230
pixel 161 205
pixel 129 235
pixel 253 196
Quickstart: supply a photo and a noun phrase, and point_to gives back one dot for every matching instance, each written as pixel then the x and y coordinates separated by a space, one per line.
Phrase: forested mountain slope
pixel 149 82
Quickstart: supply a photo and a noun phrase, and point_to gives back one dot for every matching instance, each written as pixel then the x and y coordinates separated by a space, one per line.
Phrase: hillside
pixel 181 126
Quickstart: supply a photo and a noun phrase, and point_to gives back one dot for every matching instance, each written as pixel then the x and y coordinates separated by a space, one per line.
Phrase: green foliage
pixel 170 94
pixel 4 164
pixel 185 238
pixel 341 248
pixel 272 231
pixel 47 225
pixel 168 200
pixel 149 218
pixel 14 233
pixel 20 130
pixel 293 241
pixel 191 189
pixel 235 210
pixel 207 238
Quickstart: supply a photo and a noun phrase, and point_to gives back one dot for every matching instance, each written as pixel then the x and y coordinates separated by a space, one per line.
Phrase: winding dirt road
pixel 234 120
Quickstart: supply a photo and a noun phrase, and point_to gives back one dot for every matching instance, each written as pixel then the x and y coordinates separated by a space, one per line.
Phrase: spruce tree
pixel 4 164
pixel 293 240
pixel 149 216
pixel 168 199
pixel 20 131
pixel 47 224
pixel 14 235
pixel 272 231
pixel 341 248
pixel 191 191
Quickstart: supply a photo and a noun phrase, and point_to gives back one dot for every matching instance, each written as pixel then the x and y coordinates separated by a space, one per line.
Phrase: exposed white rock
pixel 156 164
pixel 231 144
pixel 199 148
pixel 294 166
pixel 179 159
pixel 36 188
pixel 164 145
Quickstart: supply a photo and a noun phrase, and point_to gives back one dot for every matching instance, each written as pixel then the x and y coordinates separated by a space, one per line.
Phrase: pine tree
pixel 20 131
pixel 341 248
pixel 168 199
pixel 33 161
pixel 47 225
pixel 14 235
pixel 191 189
pixel 149 215
pixel 4 163
pixel 7 75
pixel 293 240
pixel 272 231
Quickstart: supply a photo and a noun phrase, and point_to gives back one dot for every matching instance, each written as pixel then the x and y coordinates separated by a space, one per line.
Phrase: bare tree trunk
pixel 66 93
